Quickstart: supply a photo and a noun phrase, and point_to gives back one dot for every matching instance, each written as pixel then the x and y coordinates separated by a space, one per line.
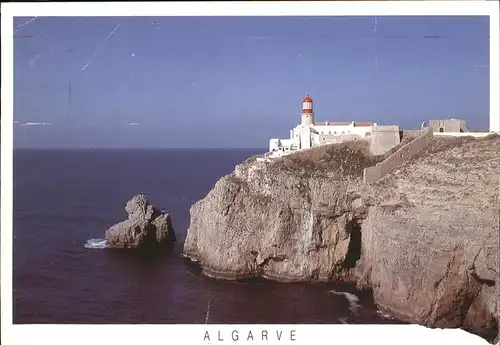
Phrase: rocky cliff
pixel 425 239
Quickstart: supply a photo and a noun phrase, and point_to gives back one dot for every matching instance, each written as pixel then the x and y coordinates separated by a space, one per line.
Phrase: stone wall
pixel 404 154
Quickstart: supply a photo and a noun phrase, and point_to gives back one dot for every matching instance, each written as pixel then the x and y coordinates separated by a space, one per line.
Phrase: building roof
pixel 328 123
pixel 363 124
pixel 356 124
pixel 307 99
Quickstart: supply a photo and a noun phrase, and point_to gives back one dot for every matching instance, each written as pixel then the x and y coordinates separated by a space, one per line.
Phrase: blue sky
pixel 238 81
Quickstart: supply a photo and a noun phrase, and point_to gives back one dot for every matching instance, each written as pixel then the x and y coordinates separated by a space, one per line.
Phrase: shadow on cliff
pixel 354 248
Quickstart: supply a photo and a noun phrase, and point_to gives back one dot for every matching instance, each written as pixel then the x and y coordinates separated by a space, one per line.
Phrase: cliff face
pixel 433 255
pixel 289 221
pixel 425 239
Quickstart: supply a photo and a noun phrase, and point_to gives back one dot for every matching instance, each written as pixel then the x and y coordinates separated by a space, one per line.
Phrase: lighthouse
pixel 307 114
pixel 309 133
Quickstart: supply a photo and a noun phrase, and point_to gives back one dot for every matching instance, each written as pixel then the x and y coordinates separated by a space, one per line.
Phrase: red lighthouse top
pixel 307 105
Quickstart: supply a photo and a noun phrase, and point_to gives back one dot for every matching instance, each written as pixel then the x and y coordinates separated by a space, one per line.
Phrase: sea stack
pixel 146 227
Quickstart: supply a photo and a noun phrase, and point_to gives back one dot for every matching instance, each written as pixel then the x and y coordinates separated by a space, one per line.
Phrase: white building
pixel 310 133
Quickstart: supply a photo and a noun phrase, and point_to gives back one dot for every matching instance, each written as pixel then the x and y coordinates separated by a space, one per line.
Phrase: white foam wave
pixel 351 298
pixel 385 316
pixel 96 243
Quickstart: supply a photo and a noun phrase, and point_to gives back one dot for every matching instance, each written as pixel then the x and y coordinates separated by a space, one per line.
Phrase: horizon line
pixel 135 148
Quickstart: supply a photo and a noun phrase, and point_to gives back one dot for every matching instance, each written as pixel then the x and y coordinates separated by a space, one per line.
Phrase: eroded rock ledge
pixel 425 239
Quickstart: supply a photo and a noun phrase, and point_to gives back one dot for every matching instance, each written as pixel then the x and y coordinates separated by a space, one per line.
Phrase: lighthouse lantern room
pixel 307 111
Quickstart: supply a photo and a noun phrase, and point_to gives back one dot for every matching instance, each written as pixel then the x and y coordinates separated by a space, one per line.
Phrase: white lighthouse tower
pixel 307 114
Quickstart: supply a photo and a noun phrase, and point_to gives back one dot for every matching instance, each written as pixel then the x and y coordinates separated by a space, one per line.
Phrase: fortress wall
pixel 384 138
pixel 404 154
pixel 412 133
pixel 385 128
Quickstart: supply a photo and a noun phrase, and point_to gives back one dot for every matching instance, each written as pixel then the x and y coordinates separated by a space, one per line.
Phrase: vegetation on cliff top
pixel 345 159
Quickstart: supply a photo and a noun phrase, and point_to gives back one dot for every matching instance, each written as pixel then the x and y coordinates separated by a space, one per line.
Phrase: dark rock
pixel 145 227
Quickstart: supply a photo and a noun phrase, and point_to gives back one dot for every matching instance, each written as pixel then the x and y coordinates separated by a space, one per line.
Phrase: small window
pixel 343 132
pixel 441 129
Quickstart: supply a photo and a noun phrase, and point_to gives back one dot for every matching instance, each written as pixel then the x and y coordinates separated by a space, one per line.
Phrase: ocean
pixel 64 200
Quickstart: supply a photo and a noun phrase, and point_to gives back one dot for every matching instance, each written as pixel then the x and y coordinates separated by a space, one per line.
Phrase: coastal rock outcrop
pixel 145 227
pixel 290 220
pixel 424 239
